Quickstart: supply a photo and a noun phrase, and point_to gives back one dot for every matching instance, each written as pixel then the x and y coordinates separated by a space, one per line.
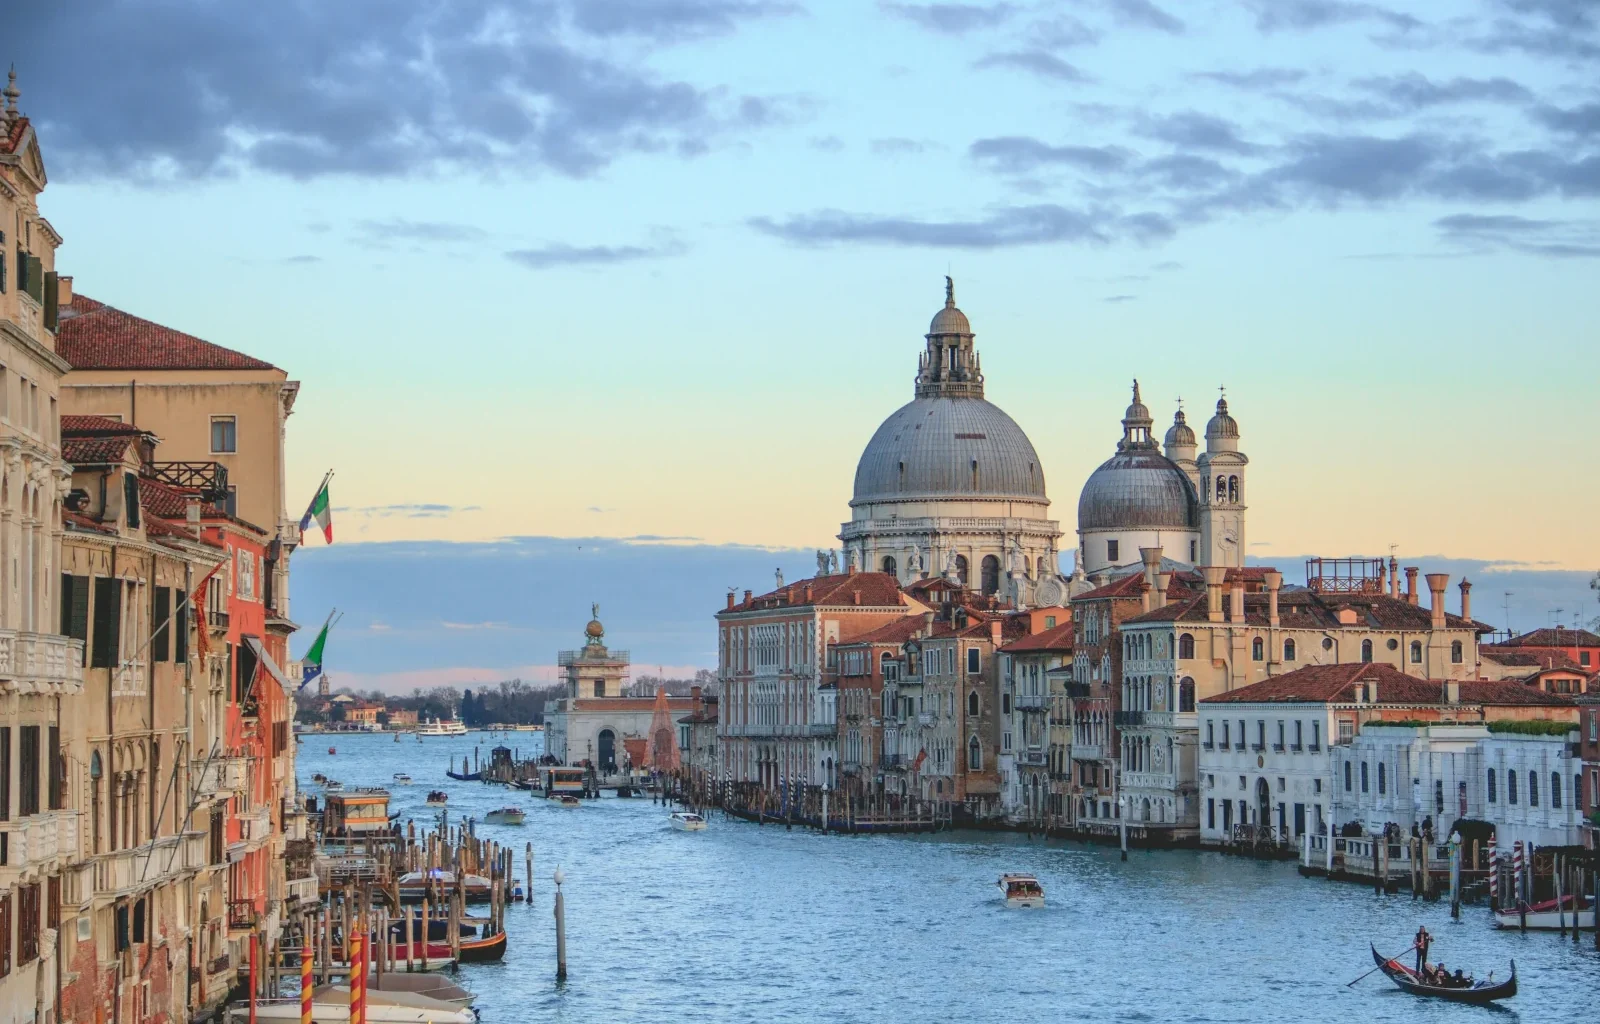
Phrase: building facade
pixel 1032 696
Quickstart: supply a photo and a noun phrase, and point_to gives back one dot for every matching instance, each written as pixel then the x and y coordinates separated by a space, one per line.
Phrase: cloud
pixel 474 625
pixel 1015 154
pixel 670 20
pixel 598 509
pixel 1548 238
pixel 1305 15
pixel 1414 91
pixel 364 88
pixel 302 258
pixel 1543 28
pixel 952 19
pixel 1194 130
pixel 379 234
pixel 1118 299
pixel 1144 14
pixel 1257 79
pixel 827 143
pixel 548 257
pixel 1035 62
pixel 1041 224
pixel 1583 120
pixel 418 510
pixel 897 147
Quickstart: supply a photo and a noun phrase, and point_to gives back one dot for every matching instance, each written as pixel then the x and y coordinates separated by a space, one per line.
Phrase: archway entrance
pixel 1263 804
pixel 608 749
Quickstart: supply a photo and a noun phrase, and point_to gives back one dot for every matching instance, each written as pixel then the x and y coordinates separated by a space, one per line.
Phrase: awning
pixel 254 643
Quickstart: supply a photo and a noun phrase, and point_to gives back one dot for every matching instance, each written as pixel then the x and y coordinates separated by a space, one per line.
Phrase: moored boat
pixel 319 778
pixel 505 816
pixel 564 800
pixel 1547 916
pixel 687 821
pixel 449 727
pixel 332 1003
pixel 401 778
pixel 438 798
pixel 333 786
pixel 1479 992
pixel 1022 892
pixel 415 885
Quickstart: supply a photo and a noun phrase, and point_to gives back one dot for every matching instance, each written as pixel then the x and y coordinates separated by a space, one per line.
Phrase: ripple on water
pixel 742 923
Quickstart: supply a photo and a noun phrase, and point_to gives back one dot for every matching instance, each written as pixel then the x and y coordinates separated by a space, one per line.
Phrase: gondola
pixel 1481 992
pixel 465 776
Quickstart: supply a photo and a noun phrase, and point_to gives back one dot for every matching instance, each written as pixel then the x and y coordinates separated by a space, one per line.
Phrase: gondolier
pixel 1423 941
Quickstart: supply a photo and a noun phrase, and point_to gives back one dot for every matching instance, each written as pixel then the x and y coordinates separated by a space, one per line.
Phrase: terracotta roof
pixel 94 451
pixel 163 499
pixel 1058 639
pixel 1299 608
pixel 13 137
pixel 1319 684
pixel 1553 638
pixel 876 589
pixel 95 336
pixel 83 522
pixel 95 426
pixel 897 632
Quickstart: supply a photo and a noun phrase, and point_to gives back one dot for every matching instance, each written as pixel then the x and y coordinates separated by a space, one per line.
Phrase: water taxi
pixel 565 800
pixel 438 798
pixel 448 727
pixel 504 816
pixel 1547 916
pixel 402 779
pixel 1022 892
pixel 687 821
pixel 558 779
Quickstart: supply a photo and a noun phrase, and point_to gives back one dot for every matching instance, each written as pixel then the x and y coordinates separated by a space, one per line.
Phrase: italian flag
pixel 319 511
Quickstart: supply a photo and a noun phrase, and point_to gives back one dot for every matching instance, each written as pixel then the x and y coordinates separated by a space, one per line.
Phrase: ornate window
pixel 1416 652
pixel 1186 645
pixel 1288 650
pixel 974 755
pixel 889 565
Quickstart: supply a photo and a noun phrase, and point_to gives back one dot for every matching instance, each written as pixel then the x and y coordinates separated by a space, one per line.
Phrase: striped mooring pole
pixel 305 980
pixel 1494 876
pixel 358 979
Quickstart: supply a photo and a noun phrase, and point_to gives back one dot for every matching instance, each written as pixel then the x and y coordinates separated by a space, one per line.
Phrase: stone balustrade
pixel 40 663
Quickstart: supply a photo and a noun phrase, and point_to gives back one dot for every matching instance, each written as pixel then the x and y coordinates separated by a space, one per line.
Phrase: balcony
pixel 125 872
pixel 850 767
pixel 256 826
pixel 1035 758
pixel 1166 782
pixel 1123 719
pixel 38 839
pixel 891 762
pixel 40 663
pixel 1088 752
pixel 209 478
pixel 302 890
pixel 1030 702
pixel 220 776
pixel 822 729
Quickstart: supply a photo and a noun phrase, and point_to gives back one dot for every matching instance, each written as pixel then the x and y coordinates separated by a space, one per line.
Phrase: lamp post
pixel 1455 876
pixel 824 808
pixel 561 927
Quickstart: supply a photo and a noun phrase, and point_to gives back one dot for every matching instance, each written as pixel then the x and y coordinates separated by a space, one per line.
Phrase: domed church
pixel 1193 509
pixel 950 485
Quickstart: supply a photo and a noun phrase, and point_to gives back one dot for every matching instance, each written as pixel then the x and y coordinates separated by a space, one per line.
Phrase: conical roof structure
pixel 663 737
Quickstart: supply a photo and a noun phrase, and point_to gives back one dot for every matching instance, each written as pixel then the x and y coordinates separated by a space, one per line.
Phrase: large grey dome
pixel 933 448
pixel 1138 489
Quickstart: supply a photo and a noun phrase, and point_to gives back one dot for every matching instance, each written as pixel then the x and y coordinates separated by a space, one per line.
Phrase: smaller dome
pixel 1180 434
pixel 1222 425
pixel 594 629
pixel 949 320
pixel 1137 413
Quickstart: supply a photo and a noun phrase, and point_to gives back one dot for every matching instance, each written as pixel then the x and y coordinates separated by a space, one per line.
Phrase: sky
pixel 658 268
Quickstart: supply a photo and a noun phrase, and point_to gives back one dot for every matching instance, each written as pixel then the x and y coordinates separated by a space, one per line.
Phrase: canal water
pixel 748 923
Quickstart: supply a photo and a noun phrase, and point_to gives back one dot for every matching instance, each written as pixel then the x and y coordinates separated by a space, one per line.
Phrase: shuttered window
pixel 52 311
pixel 52 903
pixel 5 934
pixel 5 773
pixel 107 622
pixel 35 283
pixel 180 629
pixel 75 606
pixel 161 640
pixel 28 771
pixel 245 663
pixel 130 499
pixel 56 793
pixel 27 924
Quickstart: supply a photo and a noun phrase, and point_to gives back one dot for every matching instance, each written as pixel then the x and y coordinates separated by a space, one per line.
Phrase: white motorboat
pixel 402 779
pixel 333 786
pixel 1022 892
pixel 505 816
pixel 448 727
pixel 565 800
pixel 332 1003
pixel 1544 916
pixel 687 821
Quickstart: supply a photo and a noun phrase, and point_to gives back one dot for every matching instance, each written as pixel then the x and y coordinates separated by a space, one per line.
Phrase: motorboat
pixel 1022 892
pixel 687 821
pixel 564 800
pixel 1547 916
pixel 432 985
pixel 438 798
pixel 402 779
pixel 439 882
pixel 479 942
pixel 448 727
pixel 318 779
pixel 1408 980
pixel 333 786
pixel 505 816
pixel 332 1003
pixel 332 750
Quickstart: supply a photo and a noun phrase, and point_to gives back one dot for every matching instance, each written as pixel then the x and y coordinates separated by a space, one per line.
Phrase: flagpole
pixel 185 603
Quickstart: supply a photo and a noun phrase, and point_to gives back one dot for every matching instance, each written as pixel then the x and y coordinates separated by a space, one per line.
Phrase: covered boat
pixel 1479 992
pixel 438 798
pixel 414 885
pixel 1022 892
pixel 1547 916
pixel 505 816
pixel 332 1003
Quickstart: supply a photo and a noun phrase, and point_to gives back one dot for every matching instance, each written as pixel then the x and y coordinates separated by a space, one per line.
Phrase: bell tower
pixel 1221 476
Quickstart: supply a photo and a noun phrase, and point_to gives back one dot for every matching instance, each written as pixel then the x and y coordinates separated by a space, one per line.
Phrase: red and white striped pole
pixel 358 979
pixel 1516 869
pixel 1494 876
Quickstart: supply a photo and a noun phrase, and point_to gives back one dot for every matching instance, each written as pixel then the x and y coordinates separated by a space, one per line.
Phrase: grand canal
pixel 740 923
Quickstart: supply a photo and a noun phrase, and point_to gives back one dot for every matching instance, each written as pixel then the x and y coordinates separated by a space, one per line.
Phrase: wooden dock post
pixel 561 927
pixel 528 896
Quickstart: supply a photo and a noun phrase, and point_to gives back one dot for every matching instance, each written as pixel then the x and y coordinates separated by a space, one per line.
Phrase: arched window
pixel 1555 790
pixel 1511 785
pixel 1222 487
pixel 1233 489
pixel 1383 776
pixel 991 574
pixel 972 704
pixel 974 754
pixel 1490 788
pixel 1258 649
pixel 961 569
pixel 890 566
pixel 1288 650
pixel 1363 776
pixel 1186 694
pixel 1455 652
pixel 1347 776
pixel 1533 790
pixel 1416 652
pixel 1366 650
pixel 1438 796
pixel 1186 645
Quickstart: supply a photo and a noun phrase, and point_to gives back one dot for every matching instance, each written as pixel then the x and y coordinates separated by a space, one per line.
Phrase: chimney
pixel 927 623
pixel 1394 578
pixel 747 597
pixel 1452 692
pixel 730 600
pixel 1215 575
pixel 1163 581
pixel 1236 603
pixel 808 593
pixel 994 632
pixel 1274 581
pixel 1151 557
pixel 64 290
pixel 1466 599
pixel 855 597
pixel 694 695
pixel 1437 581
pixel 1411 584
pixel 850 570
